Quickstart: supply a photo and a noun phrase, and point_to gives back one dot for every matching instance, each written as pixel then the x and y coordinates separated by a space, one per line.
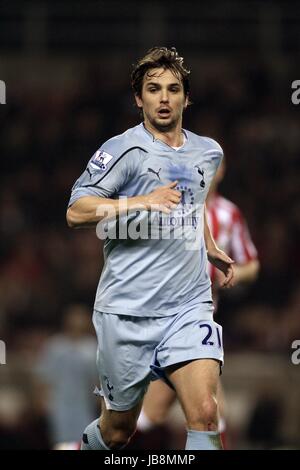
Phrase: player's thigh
pixel 195 383
pixel 123 359
pixel 158 401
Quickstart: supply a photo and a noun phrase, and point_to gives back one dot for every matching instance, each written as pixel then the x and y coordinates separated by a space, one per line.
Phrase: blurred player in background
pixel 68 373
pixel 230 231
pixel 153 308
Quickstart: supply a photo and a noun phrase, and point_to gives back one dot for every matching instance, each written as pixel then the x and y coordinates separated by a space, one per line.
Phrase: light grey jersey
pixel 152 277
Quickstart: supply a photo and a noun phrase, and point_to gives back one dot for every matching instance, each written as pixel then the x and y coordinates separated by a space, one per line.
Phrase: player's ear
pixel 138 101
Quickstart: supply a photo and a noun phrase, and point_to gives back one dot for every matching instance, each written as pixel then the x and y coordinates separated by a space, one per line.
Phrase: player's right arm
pixel 87 211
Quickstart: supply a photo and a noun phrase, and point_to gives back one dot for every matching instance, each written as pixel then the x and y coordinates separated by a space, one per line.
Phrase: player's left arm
pixel 217 257
pixel 246 273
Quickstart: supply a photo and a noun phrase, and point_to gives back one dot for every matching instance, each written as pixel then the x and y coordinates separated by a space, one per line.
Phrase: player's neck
pixel 174 137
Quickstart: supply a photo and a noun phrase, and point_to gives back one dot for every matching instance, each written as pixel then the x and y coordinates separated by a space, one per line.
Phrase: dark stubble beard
pixel 163 127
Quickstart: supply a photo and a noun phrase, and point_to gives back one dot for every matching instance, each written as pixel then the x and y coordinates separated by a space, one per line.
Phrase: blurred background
pixel 67 69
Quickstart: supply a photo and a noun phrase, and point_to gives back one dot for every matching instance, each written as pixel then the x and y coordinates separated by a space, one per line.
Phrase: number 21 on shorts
pixel 212 334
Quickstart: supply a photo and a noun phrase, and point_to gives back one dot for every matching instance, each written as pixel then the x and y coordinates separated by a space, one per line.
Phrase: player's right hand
pixel 163 199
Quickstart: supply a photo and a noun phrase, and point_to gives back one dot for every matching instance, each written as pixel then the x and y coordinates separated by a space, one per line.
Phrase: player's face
pixel 162 100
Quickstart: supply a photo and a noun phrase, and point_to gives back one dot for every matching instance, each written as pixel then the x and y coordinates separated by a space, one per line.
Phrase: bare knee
pixel 204 416
pixel 118 438
pixel 117 435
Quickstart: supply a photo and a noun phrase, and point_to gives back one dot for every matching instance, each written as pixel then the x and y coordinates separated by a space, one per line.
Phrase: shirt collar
pixel 154 139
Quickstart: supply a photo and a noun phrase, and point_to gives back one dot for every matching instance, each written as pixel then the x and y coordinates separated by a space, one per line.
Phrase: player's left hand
pixel 222 262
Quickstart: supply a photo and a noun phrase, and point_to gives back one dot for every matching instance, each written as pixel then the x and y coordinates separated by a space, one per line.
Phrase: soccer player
pixel 229 230
pixel 153 308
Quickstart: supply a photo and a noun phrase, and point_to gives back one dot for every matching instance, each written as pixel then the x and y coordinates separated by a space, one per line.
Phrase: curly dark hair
pixel 160 57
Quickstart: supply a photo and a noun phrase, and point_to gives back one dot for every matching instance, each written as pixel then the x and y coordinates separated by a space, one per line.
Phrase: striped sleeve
pixel 242 246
